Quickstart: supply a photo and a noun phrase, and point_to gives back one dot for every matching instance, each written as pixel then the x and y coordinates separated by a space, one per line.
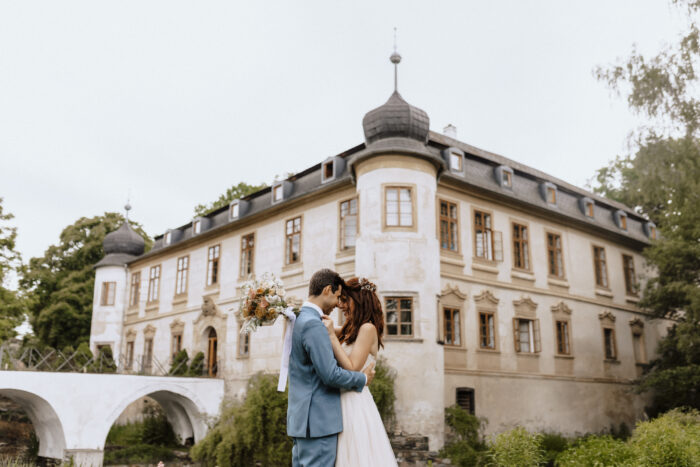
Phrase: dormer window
pixel 277 193
pixel 587 207
pixel 620 219
pixel 167 238
pixel 549 193
pixel 650 230
pixel 196 226
pixel 327 171
pixel 234 209
pixel 507 179
pixel 504 176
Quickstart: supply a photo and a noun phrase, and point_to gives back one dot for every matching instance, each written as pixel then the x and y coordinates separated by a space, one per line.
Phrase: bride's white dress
pixel 363 441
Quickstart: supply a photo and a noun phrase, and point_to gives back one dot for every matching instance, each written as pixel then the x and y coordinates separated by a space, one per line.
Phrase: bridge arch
pixel 47 425
pixel 184 411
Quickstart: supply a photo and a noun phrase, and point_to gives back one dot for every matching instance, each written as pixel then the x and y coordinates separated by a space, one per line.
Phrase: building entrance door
pixel 211 355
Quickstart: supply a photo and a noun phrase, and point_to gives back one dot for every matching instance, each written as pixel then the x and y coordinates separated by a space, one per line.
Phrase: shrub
pixel 252 432
pixel 465 446
pixel 553 444
pixel 139 453
pixel 197 365
pixel 104 363
pixel 382 390
pixel 596 451
pixel 672 439
pixel 157 431
pixel 179 366
pixel 516 448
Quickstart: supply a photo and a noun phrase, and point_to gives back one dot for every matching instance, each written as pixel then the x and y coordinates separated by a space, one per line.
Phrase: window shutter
pixel 516 335
pixel 536 330
pixel 498 246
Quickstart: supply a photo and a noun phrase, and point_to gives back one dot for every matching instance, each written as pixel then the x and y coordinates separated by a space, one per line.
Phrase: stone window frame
pixel 637 330
pixel 452 298
pixel 469 394
pixel 629 274
pixel 562 313
pixel 212 278
pixel 551 249
pixel 413 297
pixel 243 344
pixel 246 250
pixel 149 334
pixel 457 224
pixel 182 275
pixel 600 271
pixel 289 237
pixel 134 289
pixel 413 193
pixel 341 225
pixel 153 296
pixel 487 303
pixel 527 245
pixel 607 323
pixel 496 238
pixel 526 310
pixel 177 329
pixel 108 293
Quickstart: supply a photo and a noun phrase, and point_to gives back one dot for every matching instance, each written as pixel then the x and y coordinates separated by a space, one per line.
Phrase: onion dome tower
pixel 122 245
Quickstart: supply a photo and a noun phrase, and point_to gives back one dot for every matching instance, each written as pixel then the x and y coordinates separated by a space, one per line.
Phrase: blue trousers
pixel 314 452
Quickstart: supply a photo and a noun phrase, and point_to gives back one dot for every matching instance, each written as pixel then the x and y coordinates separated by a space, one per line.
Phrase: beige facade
pixel 490 296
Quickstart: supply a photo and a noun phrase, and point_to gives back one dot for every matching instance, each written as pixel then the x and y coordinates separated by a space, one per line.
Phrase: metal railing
pixel 15 358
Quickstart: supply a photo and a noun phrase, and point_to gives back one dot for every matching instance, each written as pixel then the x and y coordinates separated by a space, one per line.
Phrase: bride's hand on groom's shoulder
pixel 330 326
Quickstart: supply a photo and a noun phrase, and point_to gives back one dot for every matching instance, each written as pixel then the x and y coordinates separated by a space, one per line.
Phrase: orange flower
pixel 264 303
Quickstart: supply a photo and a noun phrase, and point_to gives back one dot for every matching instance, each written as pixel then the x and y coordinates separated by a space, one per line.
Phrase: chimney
pixel 450 130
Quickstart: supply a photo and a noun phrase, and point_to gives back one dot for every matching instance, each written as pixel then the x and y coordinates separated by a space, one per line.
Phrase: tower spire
pixel 395 59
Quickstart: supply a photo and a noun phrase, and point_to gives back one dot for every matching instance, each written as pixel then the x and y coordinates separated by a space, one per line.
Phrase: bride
pixel 363 440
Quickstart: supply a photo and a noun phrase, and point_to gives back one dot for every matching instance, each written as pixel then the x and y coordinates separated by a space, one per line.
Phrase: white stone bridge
pixel 73 412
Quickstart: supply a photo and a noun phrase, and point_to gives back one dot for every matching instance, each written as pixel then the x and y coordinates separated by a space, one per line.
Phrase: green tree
pixel 661 179
pixel 235 192
pixel 12 307
pixel 59 286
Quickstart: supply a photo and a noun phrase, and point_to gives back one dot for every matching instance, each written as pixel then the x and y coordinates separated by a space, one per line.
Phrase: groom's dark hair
pixel 323 278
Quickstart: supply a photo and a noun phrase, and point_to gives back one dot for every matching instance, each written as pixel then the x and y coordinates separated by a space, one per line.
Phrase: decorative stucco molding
pixel 607 316
pixel 525 306
pixel 131 334
pixel 209 310
pixel 453 290
pixel 561 307
pixel 149 331
pixel 177 326
pixel 486 296
pixel 637 326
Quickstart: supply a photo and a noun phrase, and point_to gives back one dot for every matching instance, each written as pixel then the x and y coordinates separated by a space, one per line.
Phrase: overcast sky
pixel 172 102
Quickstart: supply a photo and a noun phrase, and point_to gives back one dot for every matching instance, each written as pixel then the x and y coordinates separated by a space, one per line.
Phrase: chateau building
pixel 505 290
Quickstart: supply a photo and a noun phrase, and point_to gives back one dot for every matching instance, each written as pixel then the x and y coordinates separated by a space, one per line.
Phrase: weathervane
pixel 395 59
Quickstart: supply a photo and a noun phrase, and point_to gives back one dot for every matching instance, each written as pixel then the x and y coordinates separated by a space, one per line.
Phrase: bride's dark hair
pixel 368 309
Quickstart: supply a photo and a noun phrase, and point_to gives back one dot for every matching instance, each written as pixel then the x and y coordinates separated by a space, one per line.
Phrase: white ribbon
pixel 286 348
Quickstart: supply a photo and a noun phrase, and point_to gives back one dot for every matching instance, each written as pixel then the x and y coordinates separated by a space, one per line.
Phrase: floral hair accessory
pixel 367 285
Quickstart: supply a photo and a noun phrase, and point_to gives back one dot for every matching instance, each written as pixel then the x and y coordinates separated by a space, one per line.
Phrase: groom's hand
pixel 369 373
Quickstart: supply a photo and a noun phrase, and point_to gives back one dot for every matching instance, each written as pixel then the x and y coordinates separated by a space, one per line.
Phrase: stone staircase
pixel 412 451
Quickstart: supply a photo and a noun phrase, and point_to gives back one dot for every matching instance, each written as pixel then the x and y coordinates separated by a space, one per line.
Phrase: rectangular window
pixel 135 289
pixel 247 254
pixel 563 347
pixel 589 209
pixel 108 292
pixel 167 237
pixel 551 195
pixel 527 335
pixel 630 278
pixel 148 355
pixel 465 399
pixel 129 355
pixel 483 235
pixel 455 162
pixel 213 254
pixel 399 207
pixel 183 266
pixel 452 326
pixel 399 316
pixel 328 171
pixel 487 331
pixel 652 233
pixel 196 227
pixel 277 193
pixel 623 222
pixel 448 226
pixel 555 257
pixel 243 344
pixel 293 231
pixel 176 344
pixel 610 344
pixel 154 284
pixel 507 179
pixel 348 224
pixel 234 210
pixel 521 252
pixel 601 268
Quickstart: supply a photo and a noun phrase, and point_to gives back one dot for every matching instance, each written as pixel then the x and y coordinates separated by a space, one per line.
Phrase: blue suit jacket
pixel 314 379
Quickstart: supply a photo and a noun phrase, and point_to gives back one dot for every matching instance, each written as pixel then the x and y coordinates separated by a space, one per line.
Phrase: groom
pixel 314 418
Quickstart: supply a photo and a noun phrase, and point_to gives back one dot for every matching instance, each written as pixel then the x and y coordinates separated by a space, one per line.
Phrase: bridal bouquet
pixel 262 302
